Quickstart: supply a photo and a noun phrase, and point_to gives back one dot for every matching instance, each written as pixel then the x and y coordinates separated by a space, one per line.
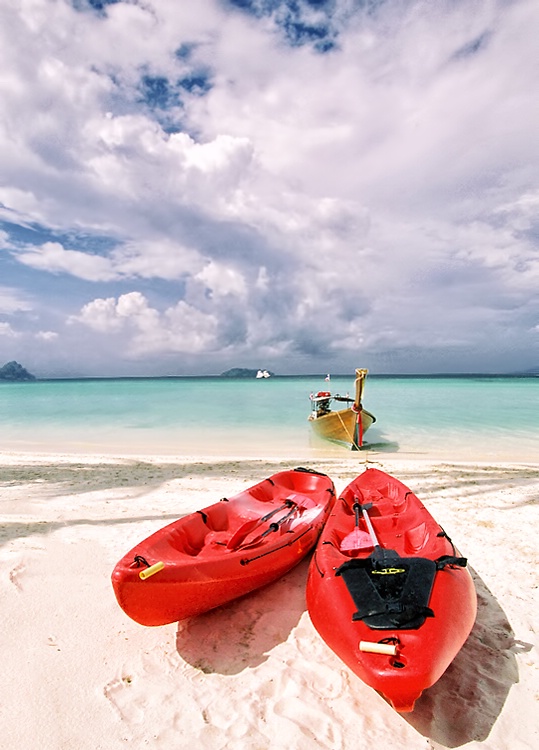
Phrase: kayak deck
pixel 225 550
pixel 404 593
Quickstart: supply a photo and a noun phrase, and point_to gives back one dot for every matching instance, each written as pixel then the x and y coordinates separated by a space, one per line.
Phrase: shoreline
pixel 479 451
pixel 253 674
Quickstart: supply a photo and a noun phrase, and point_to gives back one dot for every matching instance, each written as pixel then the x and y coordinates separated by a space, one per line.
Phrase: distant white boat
pixel 328 378
pixel 263 374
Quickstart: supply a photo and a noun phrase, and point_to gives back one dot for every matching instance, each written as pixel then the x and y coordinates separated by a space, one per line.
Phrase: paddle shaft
pixel 288 504
pixel 275 525
pixel 272 527
pixel 369 525
pixel 249 526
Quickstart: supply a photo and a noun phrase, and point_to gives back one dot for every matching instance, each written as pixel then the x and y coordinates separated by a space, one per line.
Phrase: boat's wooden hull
pixel 360 594
pixel 226 550
pixel 342 426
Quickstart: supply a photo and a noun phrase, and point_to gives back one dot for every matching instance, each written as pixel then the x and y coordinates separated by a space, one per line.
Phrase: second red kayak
pixel 387 589
pixel 225 550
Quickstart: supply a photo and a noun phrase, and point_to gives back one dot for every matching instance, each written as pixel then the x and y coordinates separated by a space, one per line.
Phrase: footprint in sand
pixel 15 574
pixel 120 693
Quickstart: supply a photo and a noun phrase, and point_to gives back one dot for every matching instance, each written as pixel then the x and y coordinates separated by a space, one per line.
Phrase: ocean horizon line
pixel 372 375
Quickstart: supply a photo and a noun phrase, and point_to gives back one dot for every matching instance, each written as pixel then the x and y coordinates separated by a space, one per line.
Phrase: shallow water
pixel 451 418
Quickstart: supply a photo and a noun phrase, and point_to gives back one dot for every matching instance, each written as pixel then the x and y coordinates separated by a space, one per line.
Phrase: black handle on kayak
pixel 310 471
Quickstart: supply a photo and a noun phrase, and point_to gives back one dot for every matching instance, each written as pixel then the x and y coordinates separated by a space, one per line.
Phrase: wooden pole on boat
pixel 361 374
pixel 360 384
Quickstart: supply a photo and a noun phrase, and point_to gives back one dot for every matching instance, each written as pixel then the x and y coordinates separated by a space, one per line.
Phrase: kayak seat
pixel 392 593
pixel 416 538
pixel 398 500
pixel 189 537
pixel 217 517
pixel 300 480
pixel 263 492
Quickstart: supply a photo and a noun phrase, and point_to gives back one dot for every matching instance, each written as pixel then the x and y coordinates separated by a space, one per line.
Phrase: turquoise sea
pixel 451 418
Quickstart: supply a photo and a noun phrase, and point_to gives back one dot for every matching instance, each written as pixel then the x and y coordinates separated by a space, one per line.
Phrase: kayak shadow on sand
pixel 464 704
pixel 461 707
pixel 240 634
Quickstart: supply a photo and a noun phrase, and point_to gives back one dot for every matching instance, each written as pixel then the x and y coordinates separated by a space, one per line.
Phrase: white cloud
pixel 522 214
pixel 112 315
pixel 181 328
pixel 222 281
pixel 54 258
pixel 7 331
pixel 100 315
pixel 47 335
pixel 381 195
pixel 160 257
pixel 13 301
pixel 186 329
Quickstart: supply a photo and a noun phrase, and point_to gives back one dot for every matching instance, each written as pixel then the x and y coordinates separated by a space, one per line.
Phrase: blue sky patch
pixel 98 6
pixel 303 22
pixel 157 92
pixel 37 235
pixel 166 99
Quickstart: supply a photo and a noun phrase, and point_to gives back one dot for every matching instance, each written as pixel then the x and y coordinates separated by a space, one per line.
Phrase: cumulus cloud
pixel 310 182
pixel 100 315
pixel 221 281
pixel 180 328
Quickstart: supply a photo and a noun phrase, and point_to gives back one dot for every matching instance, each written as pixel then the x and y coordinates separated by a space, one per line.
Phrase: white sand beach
pixel 79 674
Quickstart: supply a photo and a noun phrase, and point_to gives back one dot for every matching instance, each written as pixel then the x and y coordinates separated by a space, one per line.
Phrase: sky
pixel 299 185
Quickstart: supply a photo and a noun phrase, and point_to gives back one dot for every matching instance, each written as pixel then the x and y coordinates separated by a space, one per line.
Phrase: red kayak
pixel 217 554
pixel 388 591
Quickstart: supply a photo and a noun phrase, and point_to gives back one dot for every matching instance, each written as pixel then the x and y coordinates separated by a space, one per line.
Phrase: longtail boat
pixel 345 425
pixel 225 550
pixel 388 591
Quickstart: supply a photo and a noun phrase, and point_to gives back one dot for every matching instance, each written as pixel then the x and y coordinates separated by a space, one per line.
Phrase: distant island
pixel 243 372
pixel 13 371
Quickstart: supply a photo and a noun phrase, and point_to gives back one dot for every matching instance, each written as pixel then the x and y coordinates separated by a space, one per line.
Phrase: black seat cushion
pixel 391 592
